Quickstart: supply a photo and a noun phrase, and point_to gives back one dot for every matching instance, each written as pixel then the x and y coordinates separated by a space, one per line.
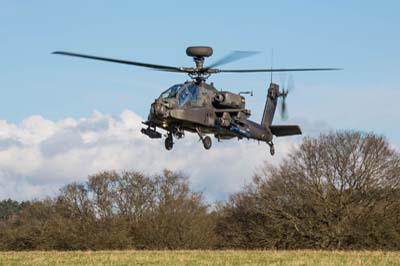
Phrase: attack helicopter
pixel 199 107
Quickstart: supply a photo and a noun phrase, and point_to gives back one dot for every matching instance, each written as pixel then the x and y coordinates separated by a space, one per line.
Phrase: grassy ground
pixel 200 258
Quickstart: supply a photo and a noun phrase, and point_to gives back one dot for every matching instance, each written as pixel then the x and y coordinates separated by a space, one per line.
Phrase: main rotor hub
pixel 199 53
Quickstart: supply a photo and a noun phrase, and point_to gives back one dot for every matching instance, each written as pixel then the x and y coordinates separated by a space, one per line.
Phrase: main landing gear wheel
pixel 207 142
pixel 205 139
pixel 169 142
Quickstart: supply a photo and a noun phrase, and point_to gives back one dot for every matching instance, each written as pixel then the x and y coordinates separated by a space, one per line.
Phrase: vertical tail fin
pixel 270 105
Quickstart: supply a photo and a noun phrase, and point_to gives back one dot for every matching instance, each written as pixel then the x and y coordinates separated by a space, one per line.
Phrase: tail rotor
pixel 287 86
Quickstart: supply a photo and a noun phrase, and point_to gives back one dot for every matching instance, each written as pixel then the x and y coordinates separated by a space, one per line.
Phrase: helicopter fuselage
pixel 202 109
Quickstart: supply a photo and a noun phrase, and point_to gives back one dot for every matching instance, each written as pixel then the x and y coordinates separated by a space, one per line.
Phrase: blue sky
pixel 362 37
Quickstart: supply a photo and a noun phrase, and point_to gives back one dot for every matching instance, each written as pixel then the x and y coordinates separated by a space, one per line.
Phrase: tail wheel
pixel 271 147
pixel 207 142
pixel 272 150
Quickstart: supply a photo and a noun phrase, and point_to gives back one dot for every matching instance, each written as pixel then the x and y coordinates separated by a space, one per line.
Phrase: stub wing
pixel 285 130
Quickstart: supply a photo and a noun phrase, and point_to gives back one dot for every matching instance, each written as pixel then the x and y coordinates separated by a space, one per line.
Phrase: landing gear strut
pixel 271 147
pixel 169 142
pixel 207 143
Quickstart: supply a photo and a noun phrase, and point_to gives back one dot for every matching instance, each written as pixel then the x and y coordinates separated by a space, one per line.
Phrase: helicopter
pixel 199 107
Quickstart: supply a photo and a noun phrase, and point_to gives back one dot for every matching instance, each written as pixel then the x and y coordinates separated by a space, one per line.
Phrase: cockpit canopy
pixel 185 93
pixel 171 92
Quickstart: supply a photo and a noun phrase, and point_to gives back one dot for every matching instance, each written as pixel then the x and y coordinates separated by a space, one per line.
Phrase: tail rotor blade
pixel 287 86
pixel 282 78
pixel 284 113
pixel 290 83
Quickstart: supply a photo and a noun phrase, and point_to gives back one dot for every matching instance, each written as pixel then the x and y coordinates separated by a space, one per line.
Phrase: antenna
pixel 272 61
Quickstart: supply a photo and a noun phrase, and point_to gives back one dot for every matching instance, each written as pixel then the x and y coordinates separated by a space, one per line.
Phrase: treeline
pixel 338 191
pixel 112 211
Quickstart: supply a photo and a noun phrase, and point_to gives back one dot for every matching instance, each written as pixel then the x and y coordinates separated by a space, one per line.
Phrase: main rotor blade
pixel 232 56
pixel 272 70
pixel 159 67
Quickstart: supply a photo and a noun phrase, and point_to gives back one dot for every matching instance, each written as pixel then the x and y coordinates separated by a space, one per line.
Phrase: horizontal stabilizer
pixel 285 130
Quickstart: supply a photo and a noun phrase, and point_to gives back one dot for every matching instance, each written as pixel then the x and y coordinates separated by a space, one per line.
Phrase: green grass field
pixel 200 258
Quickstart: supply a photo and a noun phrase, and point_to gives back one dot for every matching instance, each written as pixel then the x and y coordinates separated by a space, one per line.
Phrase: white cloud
pixel 38 156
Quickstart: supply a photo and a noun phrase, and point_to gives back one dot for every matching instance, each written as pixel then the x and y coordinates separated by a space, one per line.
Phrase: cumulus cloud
pixel 38 156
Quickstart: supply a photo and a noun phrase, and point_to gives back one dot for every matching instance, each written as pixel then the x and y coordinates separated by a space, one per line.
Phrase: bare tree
pixel 333 192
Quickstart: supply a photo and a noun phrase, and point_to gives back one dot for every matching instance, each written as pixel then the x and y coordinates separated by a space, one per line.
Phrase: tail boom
pixel 270 105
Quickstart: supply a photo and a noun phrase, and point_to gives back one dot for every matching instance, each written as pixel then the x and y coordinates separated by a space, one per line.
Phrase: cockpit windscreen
pixel 171 92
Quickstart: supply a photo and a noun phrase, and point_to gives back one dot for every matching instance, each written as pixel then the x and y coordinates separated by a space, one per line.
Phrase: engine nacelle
pixel 230 100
